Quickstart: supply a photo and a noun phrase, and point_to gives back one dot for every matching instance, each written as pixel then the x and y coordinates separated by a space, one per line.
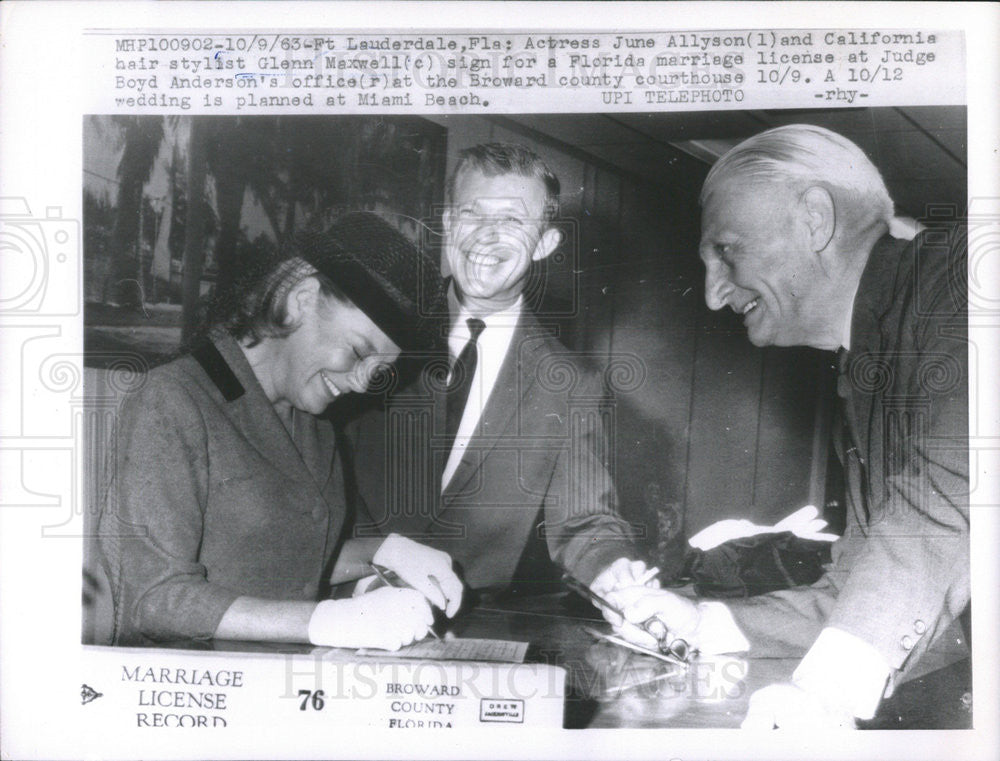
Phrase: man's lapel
pixel 870 371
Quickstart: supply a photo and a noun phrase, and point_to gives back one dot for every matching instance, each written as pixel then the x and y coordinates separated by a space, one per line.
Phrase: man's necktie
pixel 462 373
pixel 844 393
pixel 850 458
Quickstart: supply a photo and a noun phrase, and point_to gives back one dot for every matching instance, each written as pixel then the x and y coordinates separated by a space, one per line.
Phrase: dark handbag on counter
pixel 754 565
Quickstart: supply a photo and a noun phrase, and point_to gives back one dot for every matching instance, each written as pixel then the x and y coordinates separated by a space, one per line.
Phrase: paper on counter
pixel 490 650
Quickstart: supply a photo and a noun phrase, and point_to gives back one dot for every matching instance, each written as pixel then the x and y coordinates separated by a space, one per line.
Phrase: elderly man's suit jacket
pixel 900 572
pixel 533 478
pixel 211 498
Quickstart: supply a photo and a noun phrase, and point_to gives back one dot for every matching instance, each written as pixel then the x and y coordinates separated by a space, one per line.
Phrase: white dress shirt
pixel 492 347
pixel 846 329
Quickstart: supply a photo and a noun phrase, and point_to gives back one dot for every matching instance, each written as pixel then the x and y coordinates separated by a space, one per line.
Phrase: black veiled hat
pixel 398 286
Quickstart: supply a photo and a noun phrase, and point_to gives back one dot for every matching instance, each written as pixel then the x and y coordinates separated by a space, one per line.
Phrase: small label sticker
pixel 511 711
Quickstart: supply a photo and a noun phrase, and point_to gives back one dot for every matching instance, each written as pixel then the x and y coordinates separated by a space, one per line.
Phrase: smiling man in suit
pixel 799 237
pixel 508 473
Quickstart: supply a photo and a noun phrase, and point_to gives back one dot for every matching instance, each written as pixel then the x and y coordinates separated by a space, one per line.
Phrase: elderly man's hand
pixel 624 573
pixel 788 706
pixel 619 575
pixel 680 615
pixel 706 626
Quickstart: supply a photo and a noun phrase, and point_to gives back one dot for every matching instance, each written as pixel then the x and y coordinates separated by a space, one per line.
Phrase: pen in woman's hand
pixel 391 579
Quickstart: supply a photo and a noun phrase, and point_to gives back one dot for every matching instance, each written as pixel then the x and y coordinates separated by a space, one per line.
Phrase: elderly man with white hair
pixel 799 237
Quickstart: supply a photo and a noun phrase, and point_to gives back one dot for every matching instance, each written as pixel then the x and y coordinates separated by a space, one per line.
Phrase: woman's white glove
pixel 804 523
pixel 427 570
pixel 387 618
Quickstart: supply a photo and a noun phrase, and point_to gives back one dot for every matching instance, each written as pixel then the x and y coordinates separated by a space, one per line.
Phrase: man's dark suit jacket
pixel 900 573
pixel 533 478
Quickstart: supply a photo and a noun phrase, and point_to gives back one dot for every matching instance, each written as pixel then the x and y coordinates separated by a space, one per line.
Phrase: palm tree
pixel 194 238
pixel 239 156
pixel 301 171
pixel 141 137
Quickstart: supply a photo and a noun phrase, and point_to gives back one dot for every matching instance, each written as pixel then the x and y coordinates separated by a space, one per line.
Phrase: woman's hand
pixel 387 618
pixel 427 570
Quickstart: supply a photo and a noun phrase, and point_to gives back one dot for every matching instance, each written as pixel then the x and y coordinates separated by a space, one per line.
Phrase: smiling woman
pixel 327 345
pixel 235 533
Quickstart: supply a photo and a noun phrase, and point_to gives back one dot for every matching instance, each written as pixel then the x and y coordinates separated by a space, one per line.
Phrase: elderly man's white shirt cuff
pixel 844 671
pixel 717 632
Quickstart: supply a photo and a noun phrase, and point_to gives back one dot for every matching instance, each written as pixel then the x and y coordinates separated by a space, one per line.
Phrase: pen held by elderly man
pixel 674 646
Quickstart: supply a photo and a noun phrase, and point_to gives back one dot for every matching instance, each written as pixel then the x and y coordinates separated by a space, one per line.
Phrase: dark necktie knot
pixel 465 364
pixel 476 327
